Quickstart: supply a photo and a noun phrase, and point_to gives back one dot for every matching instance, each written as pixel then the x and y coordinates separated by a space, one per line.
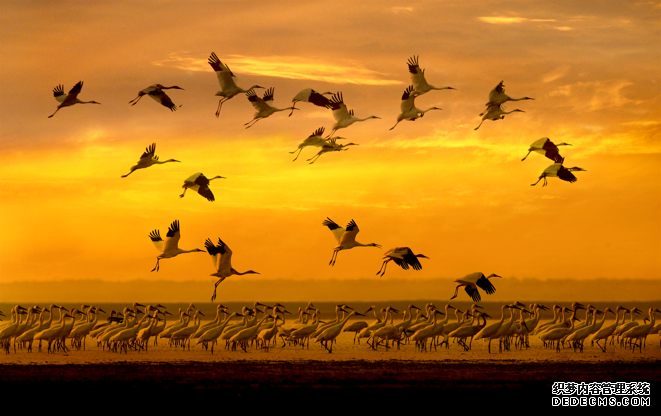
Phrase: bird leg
pixel 156 267
pixel 479 124
pixel 315 157
pixel 383 266
pixel 293 108
pixel 395 125
pixel 136 99
pixel 182 195
pixel 220 105
pixel 540 178
pixel 299 153
pixel 124 176
pixel 333 258
pixel 455 293
pixel 253 121
pixel 530 151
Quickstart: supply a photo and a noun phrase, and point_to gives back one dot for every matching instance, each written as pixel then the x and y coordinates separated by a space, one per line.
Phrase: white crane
pixel 222 261
pixel 184 334
pixel 212 334
pixel 71 98
pixel 606 332
pixel 556 170
pixel 418 78
pixel 170 247
pixel 200 184
pixel 491 330
pixel 147 159
pixel 228 88
pixel 403 257
pixel 498 97
pixel 641 331
pixel 315 139
pixel 469 331
pixel 156 93
pixel 546 147
pixel 262 107
pixel 346 238
pixel 309 95
pixel 495 113
pixel 408 109
pixel 331 146
pixel 343 117
pixel 332 332
pixel 472 281
pixel 558 334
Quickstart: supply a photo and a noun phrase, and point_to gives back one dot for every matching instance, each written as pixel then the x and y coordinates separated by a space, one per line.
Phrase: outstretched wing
pixel 319 132
pixel 150 151
pixel 473 293
pixel 73 92
pixel 350 232
pixel 256 102
pixel 408 100
pixel 214 251
pixel 417 74
pixel 486 285
pixel 411 259
pixel 318 99
pixel 172 237
pixel 336 229
pixel 163 99
pixel 58 93
pixel 268 94
pixel 223 72
pixel 155 236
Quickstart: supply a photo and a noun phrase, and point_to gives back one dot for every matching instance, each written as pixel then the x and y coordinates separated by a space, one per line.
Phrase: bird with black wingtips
pixel 495 113
pixel 264 109
pixel 343 117
pixel 558 171
pixel 69 99
pixel 331 145
pixel 222 261
pixel 497 97
pixel 403 257
pixel 408 109
pixel 228 88
pixel 147 159
pixel 418 80
pixel 170 247
pixel 546 147
pixel 309 95
pixel 474 280
pixel 200 184
pixel 346 238
pixel 315 139
pixel 157 94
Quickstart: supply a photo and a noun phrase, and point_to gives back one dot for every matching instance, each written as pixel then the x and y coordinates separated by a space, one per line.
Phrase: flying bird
pixel 222 261
pixel 228 88
pixel 418 78
pixel 315 139
pixel 346 238
pixel 309 95
pixel 409 111
pixel 343 117
pixel 496 112
pixel 147 159
pixel 472 281
pixel 498 97
pixel 261 105
pixel 168 248
pixel 331 146
pixel 403 257
pixel 156 93
pixel 546 147
pixel 200 184
pixel 558 171
pixel 71 98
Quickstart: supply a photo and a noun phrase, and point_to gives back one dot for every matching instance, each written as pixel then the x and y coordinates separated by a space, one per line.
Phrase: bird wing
pixel 318 99
pixel 411 259
pixel 256 102
pixel 159 96
pixel 268 94
pixel 58 93
pixel 155 236
pixel 223 72
pixel 496 93
pixel 551 150
pixel 401 263
pixel 215 252
pixel 193 178
pixel 408 100
pixel 336 229
pixel 473 293
pixel 150 152
pixel 225 261
pixel 206 192
pixel 336 103
pixel 172 237
pixel 486 285
pixel 566 175
pixel 317 133
pixel 417 74
pixel 350 232
pixel 73 92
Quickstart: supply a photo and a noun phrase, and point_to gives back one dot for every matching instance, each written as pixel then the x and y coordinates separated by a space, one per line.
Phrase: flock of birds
pixel 346 237
pixel 265 328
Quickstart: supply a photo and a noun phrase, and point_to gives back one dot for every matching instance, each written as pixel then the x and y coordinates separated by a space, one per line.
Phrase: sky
pixel 458 195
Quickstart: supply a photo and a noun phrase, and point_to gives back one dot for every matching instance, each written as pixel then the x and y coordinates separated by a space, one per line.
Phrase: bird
pixel 199 183
pixel 261 105
pixel 418 78
pixel 403 257
pixel 343 117
pixel 147 159
pixel 558 171
pixel 331 146
pixel 156 93
pixel 169 248
pixel 546 147
pixel 409 111
pixel 496 112
pixel 315 139
pixel 309 95
pixel 346 238
pixel 228 89
pixel 474 280
pixel 222 261
pixel 71 98
pixel 498 97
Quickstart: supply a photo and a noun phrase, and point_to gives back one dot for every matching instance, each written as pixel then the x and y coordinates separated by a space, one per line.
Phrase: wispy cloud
pixel 291 67
pixel 502 20
pixel 401 9
pixel 557 73
pixel 593 96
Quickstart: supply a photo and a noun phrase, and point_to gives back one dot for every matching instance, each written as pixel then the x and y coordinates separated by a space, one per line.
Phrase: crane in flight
pixel 558 171
pixel 262 106
pixel 200 184
pixel 418 78
pixel 157 94
pixel 498 97
pixel 472 281
pixel 546 147
pixel 343 117
pixel 403 257
pixel 147 159
pixel 315 139
pixel 408 109
pixel 222 261
pixel 228 89
pixel 495 113
pixel 309 95
pixel 331 146
pixel 346 238
pixel 170 247
pixel 69 99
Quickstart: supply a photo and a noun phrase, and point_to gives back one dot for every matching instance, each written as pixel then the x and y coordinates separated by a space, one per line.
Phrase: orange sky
pixel 460 196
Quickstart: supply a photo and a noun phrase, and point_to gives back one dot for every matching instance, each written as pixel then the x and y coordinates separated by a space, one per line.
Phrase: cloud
pixel 502 20
pixel 397 10
pixel 563 28
pixel 557 73
pixel 291 67
pixel 594 96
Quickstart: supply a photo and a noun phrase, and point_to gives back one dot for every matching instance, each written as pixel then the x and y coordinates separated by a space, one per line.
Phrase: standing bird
pixel 403 257
pixel 263 108
pixel 228 88
pixel 472 281
pixel 168 248
pixel 346 238
pixel 331 146
pixel 199 183
pixel 222 261
pixel 495 112
pixel 309 95
pixel 156 93
pixel 559 171
pixel 343 117
pixel 498 97
pixel 546 147
pixel 69 99
pixel 409 111
pixel 147 159
pixel 418 78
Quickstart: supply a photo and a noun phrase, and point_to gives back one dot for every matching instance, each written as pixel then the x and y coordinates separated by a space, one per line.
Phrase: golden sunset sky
pixel 460 196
